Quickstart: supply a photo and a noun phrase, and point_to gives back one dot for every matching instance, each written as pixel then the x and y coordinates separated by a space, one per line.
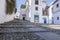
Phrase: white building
pixel 50 11
pixel 3 16
pixel 35 10
pixel 56 12
pixel 23 13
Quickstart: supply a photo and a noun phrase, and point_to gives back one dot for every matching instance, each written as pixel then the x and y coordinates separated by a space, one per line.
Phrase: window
pixel 36 8
pixel 36 18
pixel 36 2
pixel 57 5
pixel 52 10
pixel 57 18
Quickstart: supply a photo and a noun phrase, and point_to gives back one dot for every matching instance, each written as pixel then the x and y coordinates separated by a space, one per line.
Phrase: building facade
pixel 35 11
pixel 3 16
pixel 50 11
pixel 55 12
pixel 23 13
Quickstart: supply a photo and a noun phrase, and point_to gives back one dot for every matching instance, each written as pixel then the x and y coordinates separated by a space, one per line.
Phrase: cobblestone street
pixel 20 36
pixel 19 30
pixel 29 19
pixel 24 30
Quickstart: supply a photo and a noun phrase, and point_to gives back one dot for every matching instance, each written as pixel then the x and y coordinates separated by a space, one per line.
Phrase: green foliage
pixel 23 6
pixel 10 6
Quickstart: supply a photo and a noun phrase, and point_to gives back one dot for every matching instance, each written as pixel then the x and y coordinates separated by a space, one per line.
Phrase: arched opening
pixel 45 20
pixel 23 18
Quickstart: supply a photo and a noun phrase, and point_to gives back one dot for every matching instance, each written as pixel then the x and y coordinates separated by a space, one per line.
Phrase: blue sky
pixel 19 2
pixel 49 1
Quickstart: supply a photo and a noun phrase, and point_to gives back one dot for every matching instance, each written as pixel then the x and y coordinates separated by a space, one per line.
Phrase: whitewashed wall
pixel 9 17
pixel 2 11
pixel 56 12
pixel 55 8
pixel 22 11
pixel 55 18
pixel 3 16
pixel 34 12
pixel 50 14
pixel 30 11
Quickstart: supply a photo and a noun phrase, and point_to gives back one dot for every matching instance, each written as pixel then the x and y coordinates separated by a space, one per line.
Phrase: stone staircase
pixel 18 30
pixel 19 25
pixel 16 25
pixel 17 22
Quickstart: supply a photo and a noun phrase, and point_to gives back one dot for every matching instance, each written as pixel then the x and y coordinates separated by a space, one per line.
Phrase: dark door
pixel 44 20
pixel 23 18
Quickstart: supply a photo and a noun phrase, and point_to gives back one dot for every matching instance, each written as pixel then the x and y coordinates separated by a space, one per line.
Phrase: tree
pixel 10 6
pixel 23 6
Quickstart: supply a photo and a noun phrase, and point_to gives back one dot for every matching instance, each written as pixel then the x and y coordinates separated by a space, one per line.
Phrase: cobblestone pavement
pixel 19 30
pixel 57 31
pixel 24 30
pixel 20 36
pixel 48 34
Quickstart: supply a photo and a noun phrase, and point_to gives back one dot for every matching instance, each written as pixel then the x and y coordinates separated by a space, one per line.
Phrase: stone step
pixel 18 24
pixel 22 30
pixel 19 21
pixel 15 26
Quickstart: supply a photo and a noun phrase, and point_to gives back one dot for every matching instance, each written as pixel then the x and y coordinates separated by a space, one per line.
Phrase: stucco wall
pixel 34 12
pixel 22 12
pixel 56 12
pixel 55 8
pixel 9 17
pixel 50 14
pixel 3 16
pixel 55 18
pixel 2 10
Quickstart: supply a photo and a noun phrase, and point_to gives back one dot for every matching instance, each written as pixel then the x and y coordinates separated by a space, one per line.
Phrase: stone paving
pixel 47 35
pixel 20 36
pixel 54 30
pixel 24 30
pixel 18 30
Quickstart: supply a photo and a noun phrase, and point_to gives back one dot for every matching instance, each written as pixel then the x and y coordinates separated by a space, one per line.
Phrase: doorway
pixel 23 18
pixel 36 18
pixel 45 21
